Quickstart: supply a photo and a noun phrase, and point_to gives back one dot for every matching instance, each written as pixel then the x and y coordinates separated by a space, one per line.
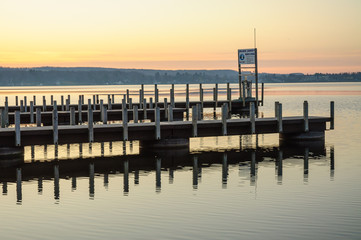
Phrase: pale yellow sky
pixel 292 36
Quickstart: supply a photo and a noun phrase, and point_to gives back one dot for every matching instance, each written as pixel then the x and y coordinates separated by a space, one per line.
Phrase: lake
pixel 231 187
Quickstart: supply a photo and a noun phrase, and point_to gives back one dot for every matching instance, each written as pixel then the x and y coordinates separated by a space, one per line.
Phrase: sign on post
pixel 247 56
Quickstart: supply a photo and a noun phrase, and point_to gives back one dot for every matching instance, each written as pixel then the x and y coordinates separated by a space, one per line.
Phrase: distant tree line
pixel 53 76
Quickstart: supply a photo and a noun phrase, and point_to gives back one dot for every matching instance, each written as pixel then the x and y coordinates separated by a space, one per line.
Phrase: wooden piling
pixel 101 106
pixel 113 99
pixel 187 101
pixel 94 103
pixel 305 116
pixel 194 120
pixel 104 114
pixel 170 113
pixel 151 103
pixel 125 124
pixel 142 88
pixel 51 100
pixel 276 108
pixel 262 94
pixel 279 118
pixel 130 103
pixel 166 108
pixel 128 96
pixel 224 118
pixel 62 102
pixel 55 126
pixel 34 100
pixel 144 108
pixel 6 111
pixel 17 129
pixel 72 116
pixel 31 112
pixel 157 123
pixel 172 96
pixel 38 117
pixel 156 95
pixel 332 115
pixel 252 117
pixel 135 114
pixel 16 101
pixel 67 102
pixel 25 104
pixel 90 125
pixel 3 118
pixel 21 105
pixel 55 123
pixel 109 103
pixel 140 99
pixel 80 120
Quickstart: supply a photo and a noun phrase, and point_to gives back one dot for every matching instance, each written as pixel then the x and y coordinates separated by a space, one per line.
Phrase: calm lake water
pixel 221 188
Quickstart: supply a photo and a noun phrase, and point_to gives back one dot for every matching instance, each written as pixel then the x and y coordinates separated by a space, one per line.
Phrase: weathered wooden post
pixel 142 88
pixel 7 111
pixel 97 98
pixel 51 100
pixel 276 108
pixel 113 99
pixel 279 118
pixel 199 111
pixel 3 117
pixel 62 102
pixel 21 105
pixel 31 112
pixel 90 125
pixel 170 113
pixel 135 114
pixel 17 129
pixel 202 104
pixel 172 96
pixel 72 116
pixel 224 118
pixel 128 96
pixel 156 95
pixel 25 104
pixel 332 115
pixel 252 117
pixel 104 114
pixel 55 123
pixel 151 103
pixel 125 124
pixel 140 99
pixel 16 101
pixel 166 108
pixel 34 100
pixel 262 94
pixel 94 103
pixel 38 117
pixel 305 116
pixel 109 103
pixel 144 108
pixel 130 103
pixel 187 101
pixel 157 123
pixel 194 120
pixel 101 106
pixel 80 106
pixel 67 102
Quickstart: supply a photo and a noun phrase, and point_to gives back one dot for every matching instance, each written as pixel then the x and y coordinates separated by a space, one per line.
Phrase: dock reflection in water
pixel 161 164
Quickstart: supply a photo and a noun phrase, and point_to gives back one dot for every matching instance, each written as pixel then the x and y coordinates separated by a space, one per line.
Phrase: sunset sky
pixel 292 36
